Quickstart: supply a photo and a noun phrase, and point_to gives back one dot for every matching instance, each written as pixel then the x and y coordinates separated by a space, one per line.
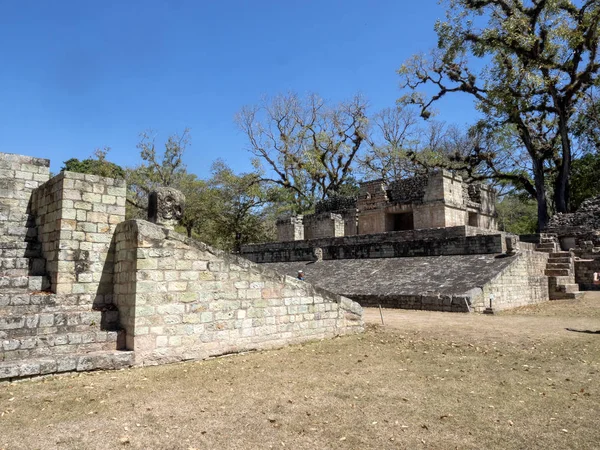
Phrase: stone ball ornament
pixel 166 206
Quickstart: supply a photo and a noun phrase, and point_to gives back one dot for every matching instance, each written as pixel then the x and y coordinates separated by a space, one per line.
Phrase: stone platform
pixel 457 283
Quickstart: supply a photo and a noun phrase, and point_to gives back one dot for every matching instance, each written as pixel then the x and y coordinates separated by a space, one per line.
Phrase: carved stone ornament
pixel 165 207
pixel 512 245
pixel 318 254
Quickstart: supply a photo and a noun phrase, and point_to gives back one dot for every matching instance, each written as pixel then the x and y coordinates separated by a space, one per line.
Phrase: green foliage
pixel 538 60
pixel 164 168
pixel 97 165
pixel 517 214
pixel 585 179
pixel 240 200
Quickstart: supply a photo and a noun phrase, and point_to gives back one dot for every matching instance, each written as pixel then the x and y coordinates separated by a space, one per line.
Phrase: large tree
pixel 241 198
pixel 305 145
pixel 537 61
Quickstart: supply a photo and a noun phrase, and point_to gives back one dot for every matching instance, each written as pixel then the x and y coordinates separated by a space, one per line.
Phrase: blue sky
pixel 77 75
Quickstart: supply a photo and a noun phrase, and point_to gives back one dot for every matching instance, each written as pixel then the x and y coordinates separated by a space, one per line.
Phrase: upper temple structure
pixel 437 200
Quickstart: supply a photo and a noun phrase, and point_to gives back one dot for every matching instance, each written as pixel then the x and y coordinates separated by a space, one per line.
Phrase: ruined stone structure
pixel 438 200
pixel 83 289
pixel 431 243
pixel 445 269
pixel 577 235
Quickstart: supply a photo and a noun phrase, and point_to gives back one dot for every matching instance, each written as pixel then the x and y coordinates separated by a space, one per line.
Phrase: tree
pixel 164 169
pixel 394 134
pixel 586 179
pixel 97 165
pixel 304 145
pixel 540 60
pixel 241 198
pixel 517 214
pixel 202 205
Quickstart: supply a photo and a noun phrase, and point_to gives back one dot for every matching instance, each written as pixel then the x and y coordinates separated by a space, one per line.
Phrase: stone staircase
pixel 42 332
pixel 21 262
pixel 560 271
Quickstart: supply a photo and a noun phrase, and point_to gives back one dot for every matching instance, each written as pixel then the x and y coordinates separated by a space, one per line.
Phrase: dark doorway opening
pixel 473 219
pixel 401 222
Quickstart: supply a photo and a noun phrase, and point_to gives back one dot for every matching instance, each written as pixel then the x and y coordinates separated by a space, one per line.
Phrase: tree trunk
pixel 540 191
pixel 561 185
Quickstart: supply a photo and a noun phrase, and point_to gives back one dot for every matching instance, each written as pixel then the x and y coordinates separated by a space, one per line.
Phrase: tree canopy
pixel 305 145
pixel 537 61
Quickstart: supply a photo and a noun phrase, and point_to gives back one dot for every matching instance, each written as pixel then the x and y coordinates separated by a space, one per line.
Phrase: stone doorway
pixel 400 221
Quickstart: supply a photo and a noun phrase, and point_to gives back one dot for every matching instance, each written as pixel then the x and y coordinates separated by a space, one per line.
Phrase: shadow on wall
pixel 104 298
pixel 33 245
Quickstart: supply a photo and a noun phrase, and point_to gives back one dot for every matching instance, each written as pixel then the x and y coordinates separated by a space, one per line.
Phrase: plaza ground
pixel 431 380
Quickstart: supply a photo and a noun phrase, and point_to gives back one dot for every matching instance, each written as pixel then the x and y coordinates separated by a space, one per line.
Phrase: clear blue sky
pixel 77 75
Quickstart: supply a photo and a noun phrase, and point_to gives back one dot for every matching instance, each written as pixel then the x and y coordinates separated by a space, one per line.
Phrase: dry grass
pixel 425 380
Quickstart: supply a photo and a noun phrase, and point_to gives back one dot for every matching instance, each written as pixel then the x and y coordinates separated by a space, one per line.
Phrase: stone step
pixel 105 360
pixel 9 214
pixel 562 259
pixel 546 246
pixel 557 272
pixel 32 283
pixel 20 249
pixel 15 232
pixel 558 281
pixel 566 295
pixel 22 266
pixel 560 254
pixel 60 344
pixel 23 302
pixel 18 325
pixel 20 301
pixel 568 288
pixel 553 265
pixel 544 250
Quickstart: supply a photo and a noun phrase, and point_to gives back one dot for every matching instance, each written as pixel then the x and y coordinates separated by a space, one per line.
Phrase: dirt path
pixel 545 320
pixel 423 381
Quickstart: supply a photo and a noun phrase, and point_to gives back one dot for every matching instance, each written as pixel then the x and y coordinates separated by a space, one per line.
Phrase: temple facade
pixel 437 200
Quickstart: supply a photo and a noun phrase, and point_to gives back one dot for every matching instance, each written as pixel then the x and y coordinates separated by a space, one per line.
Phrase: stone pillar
pixel 76 216
pixel 165 207
pixel 324 225
pixel 290 229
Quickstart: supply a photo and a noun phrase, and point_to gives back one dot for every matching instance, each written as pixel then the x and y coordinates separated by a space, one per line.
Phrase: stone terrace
pixel 80 289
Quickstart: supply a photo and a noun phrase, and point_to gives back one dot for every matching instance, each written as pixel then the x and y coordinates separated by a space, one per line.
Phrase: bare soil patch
pixel 424 380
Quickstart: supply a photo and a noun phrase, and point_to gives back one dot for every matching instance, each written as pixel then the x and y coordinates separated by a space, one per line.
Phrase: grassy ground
pixel 424 380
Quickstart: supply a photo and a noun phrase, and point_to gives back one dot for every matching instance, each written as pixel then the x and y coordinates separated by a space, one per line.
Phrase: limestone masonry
pixel 580 232
pixel 83 289
pixel 430 242
pixel 438 200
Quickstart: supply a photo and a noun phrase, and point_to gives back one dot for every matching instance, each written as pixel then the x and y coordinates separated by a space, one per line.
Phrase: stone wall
pixel 408 190
pixel 290 228
pixel 19 176
pixel 427 242
pixel 76 216
pixel 350 218
pixel 520 284
pixel 323 225
pixel 179 299
pixel 585 265
pixel 456 283
pixel 583 225
pixel 440 199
